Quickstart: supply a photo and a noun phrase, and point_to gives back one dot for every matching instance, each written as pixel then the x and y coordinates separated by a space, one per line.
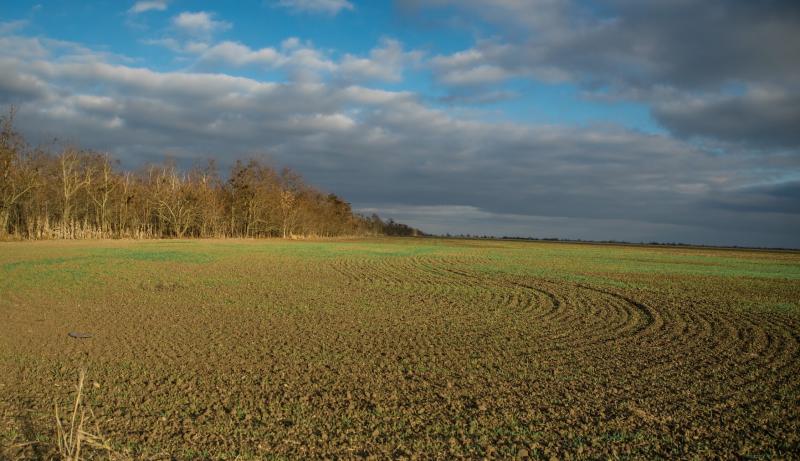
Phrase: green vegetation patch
pixel 335 249
pixel 145 253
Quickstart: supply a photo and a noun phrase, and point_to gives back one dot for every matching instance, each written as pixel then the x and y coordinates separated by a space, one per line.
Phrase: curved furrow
pixel 676 347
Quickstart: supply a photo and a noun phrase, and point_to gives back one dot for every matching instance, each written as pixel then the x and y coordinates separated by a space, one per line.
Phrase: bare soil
pixel 403 349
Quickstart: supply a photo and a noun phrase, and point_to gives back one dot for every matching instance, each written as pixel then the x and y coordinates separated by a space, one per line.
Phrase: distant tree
pixel 84 194
pixel 103 185
pixel 175 202
pixel 17 178
pixel 72 176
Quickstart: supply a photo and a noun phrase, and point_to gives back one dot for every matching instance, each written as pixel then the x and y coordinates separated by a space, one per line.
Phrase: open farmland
pixel 402 348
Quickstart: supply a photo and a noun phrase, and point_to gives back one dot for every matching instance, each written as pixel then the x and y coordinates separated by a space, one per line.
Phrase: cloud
pixel 143 6
pixel 469 96
pixel 476 75
pixel 782 197
pixel 491 62
pixel 391 152
pixel 237 54
pixel 633 43
pixel 331 7
pixel 385 63
pixel 443 219
pixel 22 47
pixel 631 50
pixel 199 23
pixel 16 88
pixel 10 27
pixel 169 43
pixel 301 60
pixel 761 117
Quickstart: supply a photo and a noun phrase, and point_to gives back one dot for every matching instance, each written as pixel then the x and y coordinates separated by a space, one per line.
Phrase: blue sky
pixel 604 119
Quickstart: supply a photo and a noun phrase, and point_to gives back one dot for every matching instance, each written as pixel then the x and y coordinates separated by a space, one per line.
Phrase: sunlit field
pixel 400 348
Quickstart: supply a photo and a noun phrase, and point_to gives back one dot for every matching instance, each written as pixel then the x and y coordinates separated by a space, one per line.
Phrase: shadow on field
pixel 29 447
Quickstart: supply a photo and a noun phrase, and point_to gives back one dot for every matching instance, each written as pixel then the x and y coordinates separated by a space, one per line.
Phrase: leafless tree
pixel 75 193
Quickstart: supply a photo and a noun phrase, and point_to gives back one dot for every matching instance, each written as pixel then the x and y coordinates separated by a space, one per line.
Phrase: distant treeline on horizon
pixel 75 193
pixel 609 242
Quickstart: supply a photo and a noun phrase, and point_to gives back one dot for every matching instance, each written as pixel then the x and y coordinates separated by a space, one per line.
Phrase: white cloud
pixel 290 43
pixel 23 47
pixel 464 58
pixel 302 62
pixel 237 54
pixel 331 7
pixel 199 23
pixel 386 62
pixel 148 5
pixel 323 122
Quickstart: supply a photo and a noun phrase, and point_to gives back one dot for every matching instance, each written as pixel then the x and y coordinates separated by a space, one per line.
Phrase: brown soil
pixel 404 357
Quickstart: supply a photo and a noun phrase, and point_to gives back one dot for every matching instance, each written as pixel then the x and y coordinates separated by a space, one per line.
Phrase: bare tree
pixel 85 196
pixel 104 185
pixel 288 211
pixel 16 177
pixel 176 203
pixel 73 175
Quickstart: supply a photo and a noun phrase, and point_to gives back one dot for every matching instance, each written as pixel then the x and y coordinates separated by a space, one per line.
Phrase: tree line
pixel 74 193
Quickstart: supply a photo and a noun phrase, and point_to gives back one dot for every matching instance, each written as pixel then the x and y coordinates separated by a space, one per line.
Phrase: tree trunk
pixel 4 215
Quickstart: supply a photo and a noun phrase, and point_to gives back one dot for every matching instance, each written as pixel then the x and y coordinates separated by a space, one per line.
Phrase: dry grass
pixel 74 438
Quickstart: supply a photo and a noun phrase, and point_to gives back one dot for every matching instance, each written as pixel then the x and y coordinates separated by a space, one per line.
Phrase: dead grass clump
pixel 73 440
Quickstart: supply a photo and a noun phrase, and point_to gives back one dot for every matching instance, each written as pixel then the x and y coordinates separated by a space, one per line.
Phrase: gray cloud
pixel 389 150
pixel 451 219
pixel 644 50
pixel 760 117
pixel 771 198
pixel 687 44
pixel 16 88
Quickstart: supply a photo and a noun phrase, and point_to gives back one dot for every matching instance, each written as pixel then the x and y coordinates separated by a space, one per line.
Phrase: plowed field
pixel 403 348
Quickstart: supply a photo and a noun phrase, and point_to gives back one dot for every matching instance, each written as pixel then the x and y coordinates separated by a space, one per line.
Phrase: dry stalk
pixel 72 440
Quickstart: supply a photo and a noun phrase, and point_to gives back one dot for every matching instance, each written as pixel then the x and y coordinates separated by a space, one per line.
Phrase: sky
pixel 665 120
